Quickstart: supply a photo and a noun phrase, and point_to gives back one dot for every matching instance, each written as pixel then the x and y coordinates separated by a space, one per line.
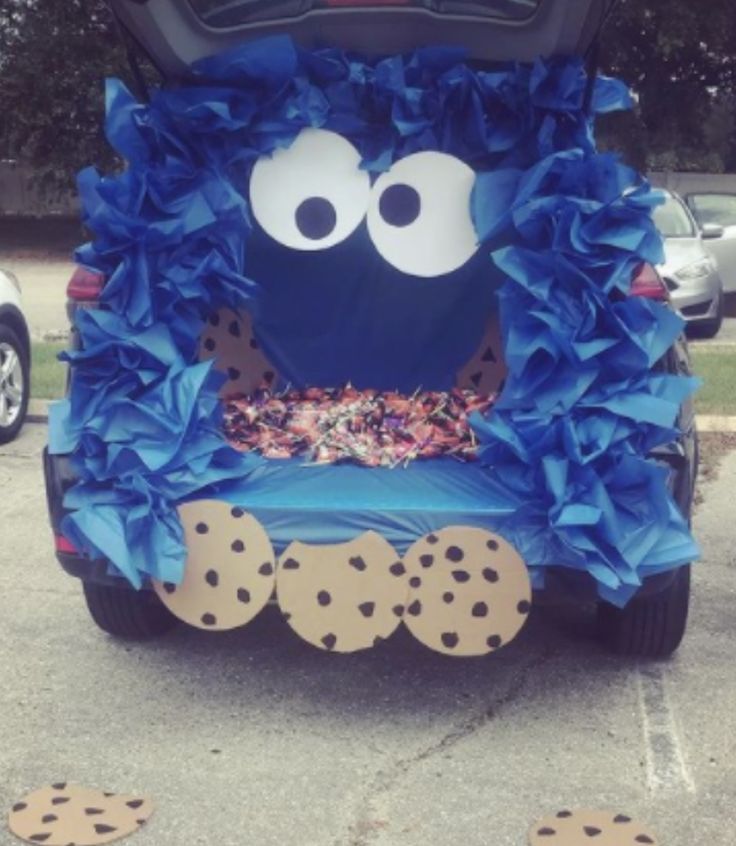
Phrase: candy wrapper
pixel 375 429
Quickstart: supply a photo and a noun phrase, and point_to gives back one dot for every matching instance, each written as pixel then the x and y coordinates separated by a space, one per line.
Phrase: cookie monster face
pixel 373 280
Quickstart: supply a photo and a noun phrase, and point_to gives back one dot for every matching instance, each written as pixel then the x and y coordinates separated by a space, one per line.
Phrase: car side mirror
pixel 712 230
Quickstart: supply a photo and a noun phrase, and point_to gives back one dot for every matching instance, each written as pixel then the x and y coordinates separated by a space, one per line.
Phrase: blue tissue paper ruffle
pixel 582 406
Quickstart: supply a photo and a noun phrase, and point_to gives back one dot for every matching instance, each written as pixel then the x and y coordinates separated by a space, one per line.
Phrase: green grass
pixel 48 376
pixel 716 366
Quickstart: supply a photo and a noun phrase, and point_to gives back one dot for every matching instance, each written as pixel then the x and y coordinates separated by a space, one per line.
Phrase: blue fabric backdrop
pixel 562 229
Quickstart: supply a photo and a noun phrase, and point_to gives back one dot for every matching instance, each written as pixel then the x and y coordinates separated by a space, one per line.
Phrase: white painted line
pixel 666 767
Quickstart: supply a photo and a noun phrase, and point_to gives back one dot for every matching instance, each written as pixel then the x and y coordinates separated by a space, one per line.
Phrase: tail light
pixel 646 282
pixel 85 286
pixel 64 545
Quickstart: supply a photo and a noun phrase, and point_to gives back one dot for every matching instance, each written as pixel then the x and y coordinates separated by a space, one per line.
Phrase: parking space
pixel 255 737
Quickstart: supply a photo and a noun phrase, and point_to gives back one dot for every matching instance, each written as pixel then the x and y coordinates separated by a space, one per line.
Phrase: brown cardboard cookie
pixel 228 338
pixel 230 569
pixel 486 370
pixel 590 828
pixel 68 815
pixel 342 597
pixel 469 591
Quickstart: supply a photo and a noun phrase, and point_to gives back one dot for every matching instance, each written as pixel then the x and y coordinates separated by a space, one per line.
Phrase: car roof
pixel 174 35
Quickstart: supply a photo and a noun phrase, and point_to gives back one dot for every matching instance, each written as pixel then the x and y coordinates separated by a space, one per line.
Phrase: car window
pixel 672 219
pixel 713 208
pixel 226 13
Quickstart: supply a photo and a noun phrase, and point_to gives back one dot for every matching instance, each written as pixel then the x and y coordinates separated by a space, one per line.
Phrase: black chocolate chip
pixel 492 545
pixel 212 578
pixel 201 528
pixel 237 546
pixel 397 569
pixel 358 563
pixel 324 598
pixel 134 803
pixel 454 553
pixel 367 608
pixel 266 569
pixel 415 609
pixel 243 596
pixel 169 587
pixel 494 641
pixel 621 818
pixel 101 828
pixel 209 619
pixel 432 538
pixel 563 815
pixel 480 609
pixel 290 564
pixel 488 355
pixel 448 597
pixel 214 319
pixel 233 373
pixel 426 560
pixel 209 344
pixel 237 512
pixel 546 832
pixel 39 838
pixel 19 806
pixel 476 378
pixel 523 607
pixel 490 575
pixel 415 582
pixel 329 640
pixel 398 610
pixel 460 576
pixel 234 329
pixel 60 800
pixel 91 812
pixel 592 831
pixel 450 639
pixel 49 818
pixel 60 785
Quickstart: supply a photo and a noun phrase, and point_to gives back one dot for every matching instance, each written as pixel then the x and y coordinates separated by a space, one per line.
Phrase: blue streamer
pixel 582 407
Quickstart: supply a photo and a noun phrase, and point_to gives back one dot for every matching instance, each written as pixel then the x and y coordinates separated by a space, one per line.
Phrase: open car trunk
pixel 175 33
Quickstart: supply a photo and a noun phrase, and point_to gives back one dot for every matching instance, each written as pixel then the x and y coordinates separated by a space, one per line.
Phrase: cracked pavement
pixel 254 737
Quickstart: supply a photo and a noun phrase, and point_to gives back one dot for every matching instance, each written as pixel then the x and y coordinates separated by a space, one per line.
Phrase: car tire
pixel 15 383
pixel 126 613
pixel 709 328
pixel 651 627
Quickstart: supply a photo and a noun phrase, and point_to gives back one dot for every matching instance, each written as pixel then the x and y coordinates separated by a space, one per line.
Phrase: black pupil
pixel 316 218
pixel 400 205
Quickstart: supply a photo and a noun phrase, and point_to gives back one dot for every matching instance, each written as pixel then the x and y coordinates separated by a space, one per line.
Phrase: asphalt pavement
pixel 255 737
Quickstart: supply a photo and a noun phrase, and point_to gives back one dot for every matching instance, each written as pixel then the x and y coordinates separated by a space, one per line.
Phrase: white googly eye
pixel 312 195
pixel 419 214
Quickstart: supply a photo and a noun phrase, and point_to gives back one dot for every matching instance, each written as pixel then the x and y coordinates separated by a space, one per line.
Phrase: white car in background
pixel 15 359
pixel 715 214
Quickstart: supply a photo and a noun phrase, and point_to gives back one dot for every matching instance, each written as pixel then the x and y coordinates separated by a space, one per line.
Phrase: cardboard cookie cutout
pixel 68 815
pixel 590 828
pixel 342 597
pixel 469 591
pixel 486 371
pixel 228 338
pixel 230 568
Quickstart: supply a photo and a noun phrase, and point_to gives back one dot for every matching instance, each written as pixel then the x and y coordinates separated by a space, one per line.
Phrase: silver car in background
pixel 689 271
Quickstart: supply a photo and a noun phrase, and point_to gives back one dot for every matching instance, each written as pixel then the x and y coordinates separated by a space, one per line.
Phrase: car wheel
pixel 15 386
pixel 709 328
pixel 651 627
pixel 126 613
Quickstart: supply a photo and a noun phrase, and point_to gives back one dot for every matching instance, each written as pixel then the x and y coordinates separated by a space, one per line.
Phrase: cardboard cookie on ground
pixel 342 597
pixel 230 567
pixel 64 814
pixel 585 827
pixel 469 591
pixel 228 338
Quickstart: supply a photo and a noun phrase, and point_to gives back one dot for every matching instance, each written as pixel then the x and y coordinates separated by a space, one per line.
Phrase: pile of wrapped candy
pixel 376 429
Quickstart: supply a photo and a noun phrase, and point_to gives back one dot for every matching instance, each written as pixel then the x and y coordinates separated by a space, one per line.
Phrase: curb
pixel 38 412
